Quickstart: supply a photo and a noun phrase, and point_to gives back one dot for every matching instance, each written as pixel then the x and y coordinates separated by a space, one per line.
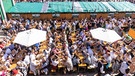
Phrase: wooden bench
pixel 13 66
pixel 82 65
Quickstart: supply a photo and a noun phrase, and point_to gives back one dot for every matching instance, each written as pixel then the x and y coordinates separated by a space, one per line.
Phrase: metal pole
pixel 13 2
pixel 72 6
pixel 3 10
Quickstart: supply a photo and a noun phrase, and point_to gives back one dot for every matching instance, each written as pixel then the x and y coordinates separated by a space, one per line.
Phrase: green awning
pixel 123 6
pixel 26 8
pixel 71 7
pixel 55 7
pixel 7 4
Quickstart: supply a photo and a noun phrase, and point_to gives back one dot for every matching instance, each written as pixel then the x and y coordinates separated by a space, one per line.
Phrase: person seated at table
pixel 45 65
pixel 16 72
pixel 108 60
pixel 71 50
pixel 22 66
pixel 75 60
pixel 123 67
pixel 47 52
pixel 27 58
pixel 8 51
pixel 100 67
pixel 8 63
pixel 4 56
pixel 11 46
pixel 37 46
pixel 13 53
pixel 127 57
pixel 21 28
pixel 89 51
pixel 50 39
pixel 115 66
pixel 68 63
pixel 55 50
pixel 94 60
pixel 4 71
pixel 54 61
pixel 39 55
pixel 1 45
pixel 127 72
pixel 132 44
pixel 33 63
pixel 87 59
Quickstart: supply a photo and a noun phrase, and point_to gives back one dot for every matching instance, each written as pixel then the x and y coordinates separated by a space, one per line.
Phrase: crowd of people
pixel 69 46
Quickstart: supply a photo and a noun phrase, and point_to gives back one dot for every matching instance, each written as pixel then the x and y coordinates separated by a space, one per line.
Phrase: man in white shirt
pixel 87 59
pixel 69 64
pixel 33 63
pixel 108 60
pixel 45 65
pixel 112 54
pixel 54 62
pixel 50 40
pixel 73 26
pixel 94 60
pixel 90 51
pixel 123 67
pixel 27 59
pixel 47 52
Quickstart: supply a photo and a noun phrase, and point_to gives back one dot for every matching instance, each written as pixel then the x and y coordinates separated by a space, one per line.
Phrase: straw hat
pixel 99 59
pixel 128 50
pixel 104 42
pixel 8 69
pixel 120 42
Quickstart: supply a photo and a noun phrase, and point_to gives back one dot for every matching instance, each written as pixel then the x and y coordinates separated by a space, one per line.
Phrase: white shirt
pixel 122 51
pixel 54 63
pixel 75 46
pixel 123 67
pixel 50 40
pixel 93 59
pixel 48 29
pixel 73 24
pixel 7 64
pixel 27 59
pixel 69 64
pixel 47 52
pixel 127 57
pixel 84 38
pixel 114 20
pixel 128 74
pixel 109 26
pixel 33 65
pixel 90 51
pixel 32 57
pixel 109 59
pixel 112 54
